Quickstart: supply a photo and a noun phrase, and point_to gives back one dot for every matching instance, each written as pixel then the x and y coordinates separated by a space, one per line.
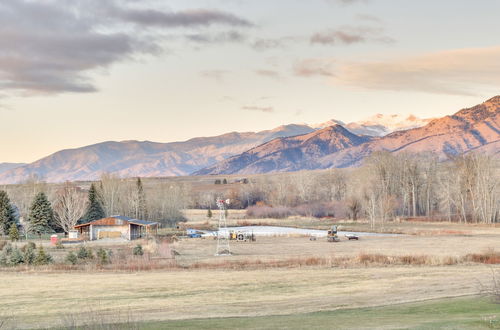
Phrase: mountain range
pixel 471 129
pixel 285 148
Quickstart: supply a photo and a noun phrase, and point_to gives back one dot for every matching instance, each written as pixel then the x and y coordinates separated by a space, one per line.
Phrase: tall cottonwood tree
pixel 111 191
pixel 69 207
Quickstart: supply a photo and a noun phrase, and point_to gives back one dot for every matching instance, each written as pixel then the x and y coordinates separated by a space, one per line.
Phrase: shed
pixel 117 227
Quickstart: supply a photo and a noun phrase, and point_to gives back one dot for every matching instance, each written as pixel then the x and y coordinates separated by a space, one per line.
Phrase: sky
pixel 78 72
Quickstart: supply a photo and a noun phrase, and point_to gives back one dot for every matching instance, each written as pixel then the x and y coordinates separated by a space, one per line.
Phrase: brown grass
pixel 489 257
pixel 146 263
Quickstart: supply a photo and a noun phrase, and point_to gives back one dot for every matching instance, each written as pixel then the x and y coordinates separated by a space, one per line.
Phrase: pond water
pixel 284 231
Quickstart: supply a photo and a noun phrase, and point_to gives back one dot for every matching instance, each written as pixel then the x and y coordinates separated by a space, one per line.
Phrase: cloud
pixel 217 38
pixel 350 35
pixel 54 46
pixel 217 75
pixel 268 73
pixel 256 108
pixel 461 72
pixel 314 67
pixel 186 18
pixel 346 2
pixel 273 43
pixel 369 18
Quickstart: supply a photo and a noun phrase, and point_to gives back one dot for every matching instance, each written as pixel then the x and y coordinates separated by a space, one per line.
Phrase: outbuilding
pixel 117 227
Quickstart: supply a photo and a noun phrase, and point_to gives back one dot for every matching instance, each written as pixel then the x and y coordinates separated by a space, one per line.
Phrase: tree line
pixel 465 188
pixel 36 207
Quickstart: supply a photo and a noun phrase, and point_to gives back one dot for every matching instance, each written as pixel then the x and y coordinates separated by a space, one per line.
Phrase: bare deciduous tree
pixel 69 207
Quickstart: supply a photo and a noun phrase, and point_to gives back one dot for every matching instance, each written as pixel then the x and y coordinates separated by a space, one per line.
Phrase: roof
pixel 117 220
pixel 142 222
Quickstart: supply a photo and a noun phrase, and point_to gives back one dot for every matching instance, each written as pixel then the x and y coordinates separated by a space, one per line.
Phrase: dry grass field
pixel 51 299
pixel 272 276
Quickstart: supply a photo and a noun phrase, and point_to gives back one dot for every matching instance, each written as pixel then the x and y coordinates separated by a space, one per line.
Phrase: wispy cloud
pixel 217 75
pixel 257 108
pixel 369 18
pixel 350 35
pixel 217 38
pixel 314 67
pixel 186 18
pixel 273 43
pixel 268 73
pixel 346 2
pixel 461 72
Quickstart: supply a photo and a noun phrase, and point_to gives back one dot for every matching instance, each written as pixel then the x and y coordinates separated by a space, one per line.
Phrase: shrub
pixel 138 251
pixel 42 258
pixel 316 210
pixel 71 258
pixel 29 254
pixel 7 249
pixel 264 211
pixel 84 253
pixel 489 256
pixel 59 245
pixel 29 246
pixel 15 258
pixel 3 259
pixel 102 256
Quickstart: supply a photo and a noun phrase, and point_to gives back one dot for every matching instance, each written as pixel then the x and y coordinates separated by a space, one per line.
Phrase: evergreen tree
pixel 13 232
pixel 42 258
pixel 7 214
pixel 209 213
pixel 142 209
pixel 41 214
pixel 95 210
pixel 71 258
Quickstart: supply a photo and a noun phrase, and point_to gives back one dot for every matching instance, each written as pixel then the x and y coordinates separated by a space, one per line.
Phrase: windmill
pixel 222 233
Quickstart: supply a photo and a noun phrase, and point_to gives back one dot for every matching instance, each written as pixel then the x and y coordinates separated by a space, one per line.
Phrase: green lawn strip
pixel 452 313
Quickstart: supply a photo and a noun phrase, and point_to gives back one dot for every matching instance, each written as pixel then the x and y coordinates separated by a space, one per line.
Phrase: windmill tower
pixel 222 233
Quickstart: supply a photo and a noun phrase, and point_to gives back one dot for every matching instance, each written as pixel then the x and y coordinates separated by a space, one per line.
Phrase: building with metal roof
pixel 117 226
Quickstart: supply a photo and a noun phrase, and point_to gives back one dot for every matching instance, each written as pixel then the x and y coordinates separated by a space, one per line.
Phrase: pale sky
pixel 78 72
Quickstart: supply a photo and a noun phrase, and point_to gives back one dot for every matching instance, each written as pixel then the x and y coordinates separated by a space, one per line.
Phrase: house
pixel 117 227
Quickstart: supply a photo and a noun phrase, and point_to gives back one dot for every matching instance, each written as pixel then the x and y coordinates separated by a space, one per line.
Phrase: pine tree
pixel 209 213
pixel 13 232
pixel 42 258
pixel 7 214
pixel 41 214
pixel 142 209
pixel 95 210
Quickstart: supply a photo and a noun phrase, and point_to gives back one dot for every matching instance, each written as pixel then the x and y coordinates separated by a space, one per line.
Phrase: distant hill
pixel 472 129
pixel 9 166
pixel 289 153
pixel 144 158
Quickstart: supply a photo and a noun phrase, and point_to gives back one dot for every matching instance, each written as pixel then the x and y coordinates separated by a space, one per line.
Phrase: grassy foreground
pixel 453 313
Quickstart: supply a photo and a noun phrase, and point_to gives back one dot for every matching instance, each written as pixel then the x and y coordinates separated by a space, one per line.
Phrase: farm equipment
pixel 332 235
pixel 241 236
